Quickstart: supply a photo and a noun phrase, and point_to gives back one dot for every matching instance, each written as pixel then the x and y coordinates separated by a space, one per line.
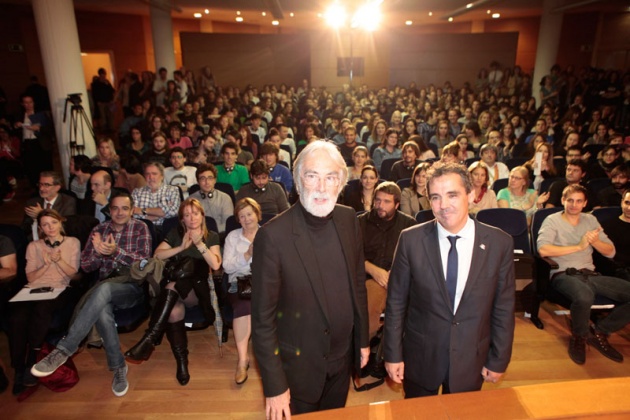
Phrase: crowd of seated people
pixel 230 151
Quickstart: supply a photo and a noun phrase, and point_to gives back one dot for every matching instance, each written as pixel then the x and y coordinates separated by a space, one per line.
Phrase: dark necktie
pixel 48 206
pixel 451 269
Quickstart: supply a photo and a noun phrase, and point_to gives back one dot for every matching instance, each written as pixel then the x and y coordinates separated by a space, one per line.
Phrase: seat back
pixel 386 167
pixel 598 184
pixel 514 162
pixel 511 221
pixel 499 184
pixel 153 233
pixel 546 184
pixel 424 216
pixel 604 214
pixel 226 188
pixel 403 183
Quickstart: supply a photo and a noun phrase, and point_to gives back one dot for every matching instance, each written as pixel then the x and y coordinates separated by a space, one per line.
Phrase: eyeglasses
pixel 206 178
pixel 312 180
pixel 518 178
pixel 45 184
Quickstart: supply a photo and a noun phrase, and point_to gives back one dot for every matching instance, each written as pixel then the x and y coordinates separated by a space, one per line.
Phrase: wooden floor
pixel 538 357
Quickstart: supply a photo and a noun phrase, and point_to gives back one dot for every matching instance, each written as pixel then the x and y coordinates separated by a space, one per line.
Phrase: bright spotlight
pixel 409 22
pixel 367 16
pixel 197 15
pixel 335 15
pixel 496 15
pixel 275 22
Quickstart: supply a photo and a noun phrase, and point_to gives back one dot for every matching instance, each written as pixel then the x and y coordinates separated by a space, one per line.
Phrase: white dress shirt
pixel 465 245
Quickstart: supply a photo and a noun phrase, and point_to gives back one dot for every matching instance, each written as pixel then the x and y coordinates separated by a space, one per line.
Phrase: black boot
pixel 176 334
pixel 153 335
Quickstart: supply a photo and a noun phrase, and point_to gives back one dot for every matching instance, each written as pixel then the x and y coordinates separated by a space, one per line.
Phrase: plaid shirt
pixel 166 198
pixel 134 244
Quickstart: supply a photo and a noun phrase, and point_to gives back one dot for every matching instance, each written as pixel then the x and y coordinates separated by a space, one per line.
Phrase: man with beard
pixel 269 195
pixel 404 168
pixel 381 228
pixel 155 201
pixel 611 196
pixel 309 309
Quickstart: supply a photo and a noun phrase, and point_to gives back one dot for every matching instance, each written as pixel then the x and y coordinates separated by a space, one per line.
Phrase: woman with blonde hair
pixel 238 252
pixel 359 158
pixel 519 196
pixel 190 251
pixel 106 155
pixel 414 197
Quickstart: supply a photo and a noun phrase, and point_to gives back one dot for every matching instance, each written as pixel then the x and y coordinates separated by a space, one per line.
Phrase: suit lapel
pixel 303 246
pixel 431 244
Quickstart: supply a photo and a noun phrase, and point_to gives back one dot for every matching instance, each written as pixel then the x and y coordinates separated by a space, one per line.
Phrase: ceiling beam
pixel 274 7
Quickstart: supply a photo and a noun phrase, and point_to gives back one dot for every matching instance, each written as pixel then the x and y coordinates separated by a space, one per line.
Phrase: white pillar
pixel 548 43
pixel 162 30
pixel 61 54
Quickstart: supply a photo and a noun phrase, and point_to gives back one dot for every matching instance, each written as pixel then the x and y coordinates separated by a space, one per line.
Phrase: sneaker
pixel 9 196
pixel 49 364
pixel 599 341
pixel 119 383
pixel 577 349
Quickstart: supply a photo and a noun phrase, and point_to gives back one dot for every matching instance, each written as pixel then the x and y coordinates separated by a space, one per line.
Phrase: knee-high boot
pixel 153 335
pixel 176 334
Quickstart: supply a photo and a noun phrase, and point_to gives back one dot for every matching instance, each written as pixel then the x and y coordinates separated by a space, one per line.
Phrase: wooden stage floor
pixel 539 357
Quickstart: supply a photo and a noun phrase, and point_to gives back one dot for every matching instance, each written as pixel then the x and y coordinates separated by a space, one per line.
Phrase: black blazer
pixel 290 320
pixel 420 327
pixel 65 206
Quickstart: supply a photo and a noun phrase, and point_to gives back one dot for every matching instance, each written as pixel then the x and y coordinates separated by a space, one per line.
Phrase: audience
pixel 215 203
pixel 155 201
pixel 484 197
pixel 270 196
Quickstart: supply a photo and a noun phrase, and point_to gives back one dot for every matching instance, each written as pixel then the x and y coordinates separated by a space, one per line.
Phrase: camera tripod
pixel 76 130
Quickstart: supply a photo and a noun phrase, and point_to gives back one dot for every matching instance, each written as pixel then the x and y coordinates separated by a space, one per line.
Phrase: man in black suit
pixel 449 319
pixel 309 307
pixel 98 204
pixel 49 197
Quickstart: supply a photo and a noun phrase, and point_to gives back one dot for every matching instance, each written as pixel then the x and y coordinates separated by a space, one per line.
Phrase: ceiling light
pixel 469 5
pixel 207 11
pixel 430 13
pixel 264 13
pixel 275 23
pixel 197 15
pixel 367 16
pixel 450 19
pixel 488 11
pixel 408 22
pixel 239 18
pixel 292 14
pixel 319 15
pixel 238 12
pixel 496 15
pixel 335 15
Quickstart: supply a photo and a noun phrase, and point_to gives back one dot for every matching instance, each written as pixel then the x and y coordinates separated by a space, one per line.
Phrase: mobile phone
pixel 45 289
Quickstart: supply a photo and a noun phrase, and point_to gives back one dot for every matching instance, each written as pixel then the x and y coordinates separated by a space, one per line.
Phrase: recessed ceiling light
pixel 408 22
pixel 488 11
pixel 430 13
pixel 238 12
pixel 292 14
pixel 319 15
pixel 469 5
pixel 496 15
pixel 239 18
pixel 207 11
pixel 450 19
pixel 275 23
pixel 264 13
pixel 197 15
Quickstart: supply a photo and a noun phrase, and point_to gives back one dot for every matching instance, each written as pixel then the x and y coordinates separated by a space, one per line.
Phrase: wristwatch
pixel 144 211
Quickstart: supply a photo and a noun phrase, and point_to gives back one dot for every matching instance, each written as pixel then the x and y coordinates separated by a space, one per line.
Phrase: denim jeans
pixel 99 310
pixel 581 290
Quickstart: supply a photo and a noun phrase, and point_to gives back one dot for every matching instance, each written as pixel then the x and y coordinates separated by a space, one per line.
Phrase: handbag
pixel 244 284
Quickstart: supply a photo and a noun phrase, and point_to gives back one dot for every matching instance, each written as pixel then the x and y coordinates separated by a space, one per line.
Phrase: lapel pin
pixel 482 246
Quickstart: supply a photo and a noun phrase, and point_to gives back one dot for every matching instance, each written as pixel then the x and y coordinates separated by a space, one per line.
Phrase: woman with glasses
pixel 519 196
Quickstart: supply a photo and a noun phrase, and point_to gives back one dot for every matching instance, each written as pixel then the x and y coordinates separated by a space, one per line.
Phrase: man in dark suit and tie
pixel 309 306
pixel 49 197
pixel 449 320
